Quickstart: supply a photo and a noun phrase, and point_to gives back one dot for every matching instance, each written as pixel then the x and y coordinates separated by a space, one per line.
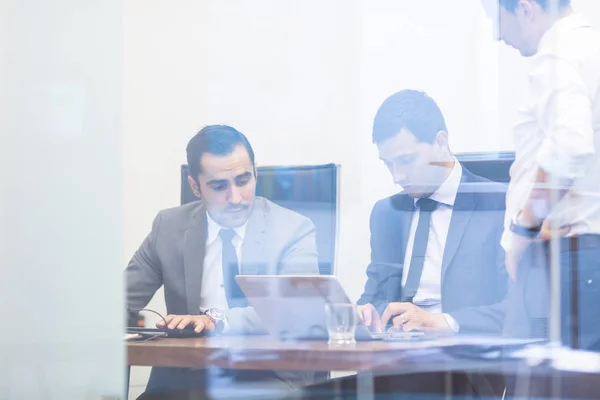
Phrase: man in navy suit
pixel 436 260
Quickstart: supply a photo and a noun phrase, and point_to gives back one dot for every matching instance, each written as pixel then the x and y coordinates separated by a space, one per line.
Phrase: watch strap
pixel 528 232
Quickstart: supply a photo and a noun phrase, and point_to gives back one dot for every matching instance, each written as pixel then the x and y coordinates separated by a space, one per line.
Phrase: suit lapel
pixel 464 206
pixel 406 206
pixel 254 240
pixel 194 246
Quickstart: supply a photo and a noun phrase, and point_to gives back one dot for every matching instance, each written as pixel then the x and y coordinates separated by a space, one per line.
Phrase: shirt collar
pixel 570 22
pixel 214 229
pixel 446 193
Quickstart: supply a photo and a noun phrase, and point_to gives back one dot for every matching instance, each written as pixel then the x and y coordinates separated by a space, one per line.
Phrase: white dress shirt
pixel 212 293
pixel 429 292
pixel 559 126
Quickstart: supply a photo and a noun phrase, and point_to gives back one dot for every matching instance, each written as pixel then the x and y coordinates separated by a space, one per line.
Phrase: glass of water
pixel 341 323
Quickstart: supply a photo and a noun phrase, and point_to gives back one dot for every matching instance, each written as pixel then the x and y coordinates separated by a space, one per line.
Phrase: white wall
pixel 303 79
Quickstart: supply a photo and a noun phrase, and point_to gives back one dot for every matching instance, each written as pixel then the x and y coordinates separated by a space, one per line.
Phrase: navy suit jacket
pixel 474 278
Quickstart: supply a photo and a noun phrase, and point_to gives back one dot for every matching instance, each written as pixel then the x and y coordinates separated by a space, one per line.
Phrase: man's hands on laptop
pixel 370 317
pixel 409 317
pixel 404 317
pixel 200 322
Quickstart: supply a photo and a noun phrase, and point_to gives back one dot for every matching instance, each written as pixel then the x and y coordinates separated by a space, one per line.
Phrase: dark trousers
pixel 529 297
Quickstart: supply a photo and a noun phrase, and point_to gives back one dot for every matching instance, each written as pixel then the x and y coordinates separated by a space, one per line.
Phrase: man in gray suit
pixel 197 249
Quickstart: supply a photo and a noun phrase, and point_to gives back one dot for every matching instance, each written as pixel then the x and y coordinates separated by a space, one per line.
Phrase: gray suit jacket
pixel 277 241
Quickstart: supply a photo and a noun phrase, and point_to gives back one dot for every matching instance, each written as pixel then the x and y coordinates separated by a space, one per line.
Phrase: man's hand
pixel 547 232
pixel 370 317
pixel 519 244
pixel 535 214
pixel 408 317
pixel 200 322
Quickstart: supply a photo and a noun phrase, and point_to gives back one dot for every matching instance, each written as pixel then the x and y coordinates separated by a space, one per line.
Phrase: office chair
pixel 310 190
pixel 494 166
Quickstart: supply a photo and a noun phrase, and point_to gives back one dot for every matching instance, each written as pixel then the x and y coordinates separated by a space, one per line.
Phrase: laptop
pixel 292 307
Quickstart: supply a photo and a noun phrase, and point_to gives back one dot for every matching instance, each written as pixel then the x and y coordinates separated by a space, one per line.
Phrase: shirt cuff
pixel 506 240
pixel 452 323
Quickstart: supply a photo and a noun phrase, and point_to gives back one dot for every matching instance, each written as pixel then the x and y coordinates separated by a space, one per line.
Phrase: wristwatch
pixel 218 318
pixel 525 231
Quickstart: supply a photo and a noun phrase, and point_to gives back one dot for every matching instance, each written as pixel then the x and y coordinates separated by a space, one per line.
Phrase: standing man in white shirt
pixel 196 250
pixel 555 179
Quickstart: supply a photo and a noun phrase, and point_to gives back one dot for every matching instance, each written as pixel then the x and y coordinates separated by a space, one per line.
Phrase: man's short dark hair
pixel 511 5
pixel 219 140
pixel 412 110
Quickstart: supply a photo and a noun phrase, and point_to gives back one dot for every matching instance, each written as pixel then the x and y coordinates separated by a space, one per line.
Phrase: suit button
pixel 589 282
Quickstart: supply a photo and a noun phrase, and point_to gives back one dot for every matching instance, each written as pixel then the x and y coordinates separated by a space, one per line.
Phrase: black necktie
pixel 426 207
pixel 235 297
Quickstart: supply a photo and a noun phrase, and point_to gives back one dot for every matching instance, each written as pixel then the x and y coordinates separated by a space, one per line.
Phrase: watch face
pixel 216 314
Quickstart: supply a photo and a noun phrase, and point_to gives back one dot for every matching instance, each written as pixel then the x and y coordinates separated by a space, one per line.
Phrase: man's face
pixel 517 28
pixel 414 165
pixel 228 186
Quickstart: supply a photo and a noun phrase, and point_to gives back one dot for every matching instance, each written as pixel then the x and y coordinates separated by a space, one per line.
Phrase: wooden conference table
pixel 265 353
pixel 369 359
